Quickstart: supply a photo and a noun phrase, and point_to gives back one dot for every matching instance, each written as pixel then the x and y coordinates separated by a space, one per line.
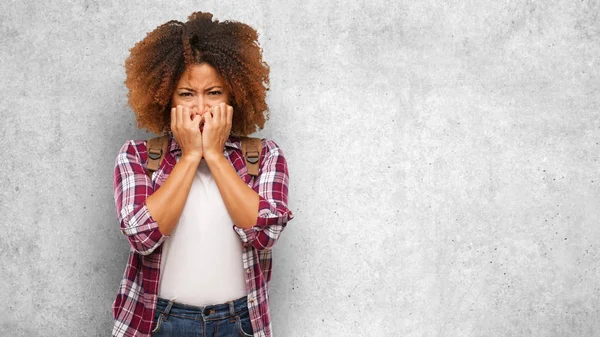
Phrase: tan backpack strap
pixel 157 147
pixel 251 150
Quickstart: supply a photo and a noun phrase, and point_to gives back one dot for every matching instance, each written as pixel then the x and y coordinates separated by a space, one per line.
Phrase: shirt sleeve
pixel 131 188
pixel 271 184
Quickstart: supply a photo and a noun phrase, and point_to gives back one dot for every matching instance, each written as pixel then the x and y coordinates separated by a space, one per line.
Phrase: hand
pixel 217 127
pixel 185 125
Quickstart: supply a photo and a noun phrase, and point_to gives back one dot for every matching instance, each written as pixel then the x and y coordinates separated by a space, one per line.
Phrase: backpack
pixel 157 147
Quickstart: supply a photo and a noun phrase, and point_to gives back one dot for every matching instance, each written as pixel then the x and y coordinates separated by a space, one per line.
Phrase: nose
pixel 200 104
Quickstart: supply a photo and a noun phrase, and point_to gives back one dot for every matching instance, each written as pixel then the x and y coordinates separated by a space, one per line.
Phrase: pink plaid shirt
pixel 134 307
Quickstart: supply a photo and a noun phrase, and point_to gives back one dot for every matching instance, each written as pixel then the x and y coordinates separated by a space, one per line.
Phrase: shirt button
pixel 248 270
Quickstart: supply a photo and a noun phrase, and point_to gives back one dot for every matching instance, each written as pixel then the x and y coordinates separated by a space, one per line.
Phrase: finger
pixel 223 113
pixel 191 113
pixel 196 119
pixel 205 116
pixel 173 118
pixel 202 120
pixel 218 111
pixel 216 115
pixel 229 115
pixel 179 113
pixel 201 115
pixel 187 116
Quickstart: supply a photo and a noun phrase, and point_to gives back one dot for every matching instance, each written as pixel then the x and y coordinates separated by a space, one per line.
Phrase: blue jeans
pixel 227 319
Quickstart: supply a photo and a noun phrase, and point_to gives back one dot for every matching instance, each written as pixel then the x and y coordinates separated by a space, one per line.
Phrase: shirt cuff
pixel 268 214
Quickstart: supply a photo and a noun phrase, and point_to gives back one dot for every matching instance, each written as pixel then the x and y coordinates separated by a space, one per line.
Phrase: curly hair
pixel 156 63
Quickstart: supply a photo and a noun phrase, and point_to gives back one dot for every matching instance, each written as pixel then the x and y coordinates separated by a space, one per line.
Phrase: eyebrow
pixel 208 89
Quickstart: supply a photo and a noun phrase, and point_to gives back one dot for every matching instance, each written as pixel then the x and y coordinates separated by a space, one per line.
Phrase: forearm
pixel 239 199
pixel 166 204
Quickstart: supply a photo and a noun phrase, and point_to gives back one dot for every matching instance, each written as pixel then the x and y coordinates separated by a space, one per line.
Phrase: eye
pixel 185 94
pixel 214 92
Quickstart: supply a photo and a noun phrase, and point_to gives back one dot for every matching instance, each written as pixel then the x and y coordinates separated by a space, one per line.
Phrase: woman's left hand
pixel 217 127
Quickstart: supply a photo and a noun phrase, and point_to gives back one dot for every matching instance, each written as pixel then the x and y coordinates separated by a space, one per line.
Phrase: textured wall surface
pixel 444 160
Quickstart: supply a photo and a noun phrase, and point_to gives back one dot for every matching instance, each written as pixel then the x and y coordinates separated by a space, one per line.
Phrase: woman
pixel 201 228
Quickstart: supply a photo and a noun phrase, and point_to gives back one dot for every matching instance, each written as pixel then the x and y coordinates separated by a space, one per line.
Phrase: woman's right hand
pixel 185 125
pixel 166 203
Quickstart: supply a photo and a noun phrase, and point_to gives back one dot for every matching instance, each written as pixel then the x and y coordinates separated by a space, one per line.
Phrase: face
pixel 199 88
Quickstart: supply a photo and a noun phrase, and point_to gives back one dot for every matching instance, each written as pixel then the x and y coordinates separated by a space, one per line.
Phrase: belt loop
pixel 167 310
pixel 231 308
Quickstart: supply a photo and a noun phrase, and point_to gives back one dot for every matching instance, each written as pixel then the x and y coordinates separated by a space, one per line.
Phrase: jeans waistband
pixel 215 311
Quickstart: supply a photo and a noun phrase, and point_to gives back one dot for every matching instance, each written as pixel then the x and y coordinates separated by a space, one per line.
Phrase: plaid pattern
pixel 133 309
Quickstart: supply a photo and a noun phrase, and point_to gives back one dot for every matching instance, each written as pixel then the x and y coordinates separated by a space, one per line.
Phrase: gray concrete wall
pixel 443 159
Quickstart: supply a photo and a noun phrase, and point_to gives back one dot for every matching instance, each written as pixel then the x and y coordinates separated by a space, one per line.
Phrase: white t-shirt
pixel 202 259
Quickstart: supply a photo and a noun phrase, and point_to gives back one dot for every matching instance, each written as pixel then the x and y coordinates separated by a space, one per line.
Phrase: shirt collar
pixel 231 142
